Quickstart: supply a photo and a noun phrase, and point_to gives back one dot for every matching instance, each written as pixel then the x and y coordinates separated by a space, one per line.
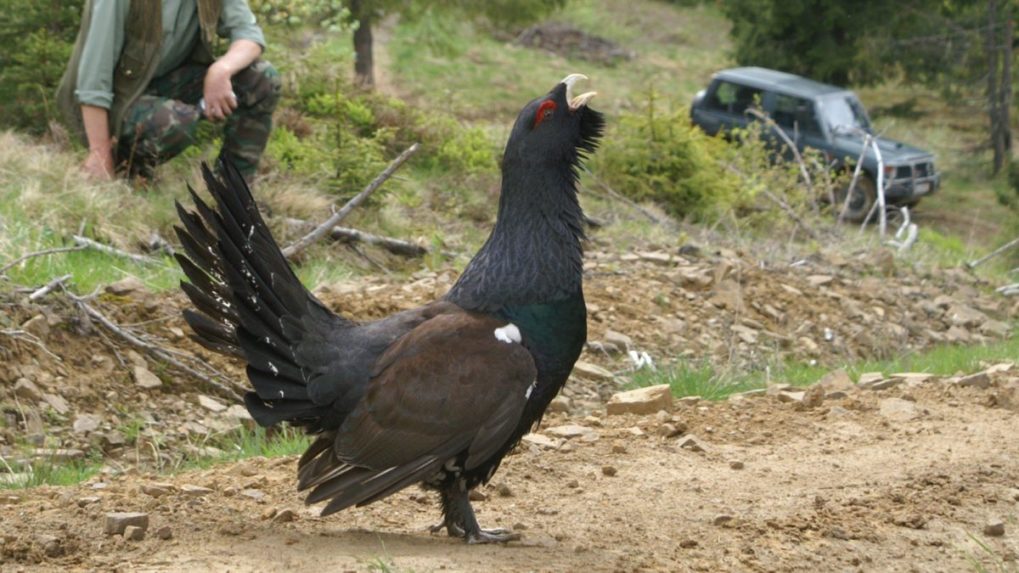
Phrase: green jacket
pixel 139 58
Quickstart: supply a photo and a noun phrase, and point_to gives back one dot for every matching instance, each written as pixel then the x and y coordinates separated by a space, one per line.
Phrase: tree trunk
pixel 993 96
pixel 364 66
pixel 1005 103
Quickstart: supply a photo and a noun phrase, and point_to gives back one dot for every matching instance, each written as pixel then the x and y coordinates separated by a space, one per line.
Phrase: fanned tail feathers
pixel 248 302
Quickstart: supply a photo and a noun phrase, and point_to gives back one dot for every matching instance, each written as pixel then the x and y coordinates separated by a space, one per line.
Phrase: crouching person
pixel 142 75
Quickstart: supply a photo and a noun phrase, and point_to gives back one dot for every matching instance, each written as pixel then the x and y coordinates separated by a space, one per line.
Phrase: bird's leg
pixel 459 520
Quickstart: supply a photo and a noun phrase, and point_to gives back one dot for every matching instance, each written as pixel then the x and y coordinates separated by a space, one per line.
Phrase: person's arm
pixel 219 97
pixel 247 43
pixel 99 163
pixel 94 90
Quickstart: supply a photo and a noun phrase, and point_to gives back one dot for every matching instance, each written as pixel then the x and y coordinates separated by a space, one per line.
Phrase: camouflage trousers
pixel 164 120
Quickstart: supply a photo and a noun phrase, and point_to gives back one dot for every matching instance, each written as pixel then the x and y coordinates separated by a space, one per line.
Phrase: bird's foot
pixel 492 536
pixel 452 529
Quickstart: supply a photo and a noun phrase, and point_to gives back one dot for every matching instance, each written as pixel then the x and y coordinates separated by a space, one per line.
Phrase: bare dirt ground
pixel 904 478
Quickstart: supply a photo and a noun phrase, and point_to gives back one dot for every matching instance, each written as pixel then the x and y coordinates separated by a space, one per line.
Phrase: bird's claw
pixel 492 536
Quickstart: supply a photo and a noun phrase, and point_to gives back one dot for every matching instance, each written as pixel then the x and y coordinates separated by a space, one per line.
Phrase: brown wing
pixel 448 387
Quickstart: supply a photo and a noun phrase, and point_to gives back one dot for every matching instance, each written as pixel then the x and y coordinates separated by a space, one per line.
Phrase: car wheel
pixel 864 195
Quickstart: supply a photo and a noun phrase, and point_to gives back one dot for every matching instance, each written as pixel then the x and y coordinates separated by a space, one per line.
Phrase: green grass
pixel 714 384
pixel 238 445
pixel 479 76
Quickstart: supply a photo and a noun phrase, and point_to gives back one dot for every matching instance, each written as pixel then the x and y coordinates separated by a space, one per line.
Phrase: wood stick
pixel 160 353
pixel 338 216
pixel 41 253
pixel 395 246
pixel 1009 245
pixel 85 242
pixel 48 288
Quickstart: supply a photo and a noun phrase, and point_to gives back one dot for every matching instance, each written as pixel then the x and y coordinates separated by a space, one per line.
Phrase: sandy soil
pixel 904 479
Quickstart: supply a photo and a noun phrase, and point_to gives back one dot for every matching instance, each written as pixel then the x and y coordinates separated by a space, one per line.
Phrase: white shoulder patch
pixel 508 334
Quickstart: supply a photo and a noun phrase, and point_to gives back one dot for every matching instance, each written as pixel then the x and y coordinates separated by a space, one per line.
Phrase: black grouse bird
pixel 435 395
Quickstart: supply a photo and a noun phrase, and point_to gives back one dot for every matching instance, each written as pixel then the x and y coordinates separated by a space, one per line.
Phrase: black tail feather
pixel 248 301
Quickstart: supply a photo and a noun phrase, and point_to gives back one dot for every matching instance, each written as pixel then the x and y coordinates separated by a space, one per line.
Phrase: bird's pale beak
pixel 580 100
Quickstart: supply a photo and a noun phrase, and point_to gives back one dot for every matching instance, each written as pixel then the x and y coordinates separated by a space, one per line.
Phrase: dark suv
pixel 821 116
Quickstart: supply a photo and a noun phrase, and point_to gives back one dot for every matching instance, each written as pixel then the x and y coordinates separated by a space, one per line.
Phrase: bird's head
pixel 557 127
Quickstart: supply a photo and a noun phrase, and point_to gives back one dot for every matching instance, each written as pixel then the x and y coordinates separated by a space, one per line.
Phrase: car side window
pixel 793 113
pixel 733 98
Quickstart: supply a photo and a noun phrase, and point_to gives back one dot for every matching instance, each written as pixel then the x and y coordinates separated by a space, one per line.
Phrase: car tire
pixel 864 195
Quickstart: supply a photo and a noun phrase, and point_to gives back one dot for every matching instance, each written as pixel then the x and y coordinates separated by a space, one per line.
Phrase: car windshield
pixel 844 113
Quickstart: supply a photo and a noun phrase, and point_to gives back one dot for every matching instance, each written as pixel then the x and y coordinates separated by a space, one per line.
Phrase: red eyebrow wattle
pixel 547 105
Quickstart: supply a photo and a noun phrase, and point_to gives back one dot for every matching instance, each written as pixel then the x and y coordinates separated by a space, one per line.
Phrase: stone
pixel 288 515
pixel 979 380
pixel 913 378
pixel 560 404
pixel 86 423
pixel 619 339
pixel 897 409
pixel 870 378
pixel 541 441
pixel 116 523
pixel 670 430
pixel 836 380
pixel 570 431
pixel 88 500
pixel 477 495
pixel 788 397
pixel 592 371
pixel 145 379
pixel 692 443
pixel 608 471
pixel 745 334
pixel 164 533
pixel 641 401
pixel 253 494
pixel 736 465
pixel 995 328
pixel 722 520
pixel 27 390
pixel 728 294
pixel 195 490
pixel 134 533
pixel 126 286
pixel 994 528
pixel 962 315
pixel 688 543
pixel 37 326
pixel 956 334
pixel 58 403
pixel 820 280
pixel 882 384
pixel 238 412
pixel 157 489
pixel 112 439
pixel 210 404
pixel 814 396
pixel 808 346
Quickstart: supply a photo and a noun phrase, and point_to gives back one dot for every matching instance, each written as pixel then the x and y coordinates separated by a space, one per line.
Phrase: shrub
pixel 662 157
pixel 37 36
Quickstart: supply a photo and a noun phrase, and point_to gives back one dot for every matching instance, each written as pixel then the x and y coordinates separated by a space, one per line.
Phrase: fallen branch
pixel 395 246
pixel 42 253
pixel 85 242
pixel 338 216
pixel 48 288
pixel 1009 245
pixel 30 338
pixel 199 368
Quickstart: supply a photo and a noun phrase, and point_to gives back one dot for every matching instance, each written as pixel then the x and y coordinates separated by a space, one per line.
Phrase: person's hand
pixel 99 164
pixel 220 100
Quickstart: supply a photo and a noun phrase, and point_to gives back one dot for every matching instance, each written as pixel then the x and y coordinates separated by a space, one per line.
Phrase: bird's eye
pixel 545 110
